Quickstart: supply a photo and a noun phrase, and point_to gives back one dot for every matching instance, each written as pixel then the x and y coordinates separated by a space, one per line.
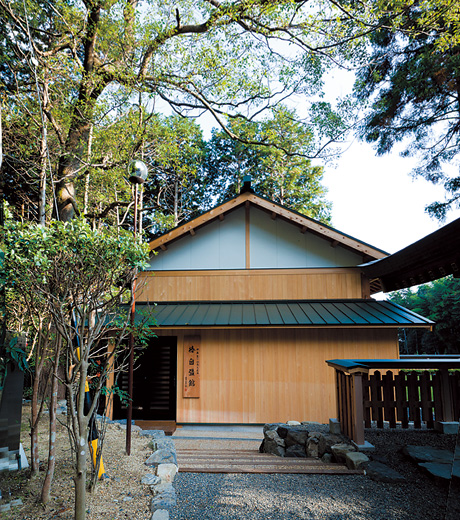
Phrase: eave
pixel 303 222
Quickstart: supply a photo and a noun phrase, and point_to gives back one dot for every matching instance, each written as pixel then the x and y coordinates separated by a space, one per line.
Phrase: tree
pixel 174 150
pixel 230 59
pixel 439 301
pixel 74 278
pixel 287 178
pixel 413 81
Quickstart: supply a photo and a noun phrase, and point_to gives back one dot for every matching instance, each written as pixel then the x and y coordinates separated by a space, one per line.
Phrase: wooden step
pixel 251 461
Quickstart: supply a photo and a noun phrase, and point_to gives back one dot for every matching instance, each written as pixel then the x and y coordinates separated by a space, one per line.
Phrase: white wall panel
pixel 279 244
pixel 218 245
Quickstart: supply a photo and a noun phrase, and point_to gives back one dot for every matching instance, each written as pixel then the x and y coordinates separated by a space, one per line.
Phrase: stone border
pixel 164 461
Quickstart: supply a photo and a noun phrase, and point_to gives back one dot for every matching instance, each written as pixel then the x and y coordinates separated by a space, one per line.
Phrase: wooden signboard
pixel 192 366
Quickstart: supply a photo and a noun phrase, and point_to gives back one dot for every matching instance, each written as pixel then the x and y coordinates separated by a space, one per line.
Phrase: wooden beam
pixel 247 234
pixel 317 227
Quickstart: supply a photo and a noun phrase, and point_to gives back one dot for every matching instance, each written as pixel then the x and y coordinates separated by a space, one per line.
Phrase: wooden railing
pixel 428 395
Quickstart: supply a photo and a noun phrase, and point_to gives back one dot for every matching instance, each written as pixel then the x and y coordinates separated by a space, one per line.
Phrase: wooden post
pixel 446 394
pixel 358 412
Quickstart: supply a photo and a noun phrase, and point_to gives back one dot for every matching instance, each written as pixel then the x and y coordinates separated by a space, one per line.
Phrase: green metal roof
pixel 304 313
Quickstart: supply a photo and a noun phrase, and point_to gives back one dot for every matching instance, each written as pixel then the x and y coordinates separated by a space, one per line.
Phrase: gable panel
pixel 219 245
pixel 280 244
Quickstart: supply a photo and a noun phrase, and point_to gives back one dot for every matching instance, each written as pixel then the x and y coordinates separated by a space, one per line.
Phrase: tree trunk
pixel 46 489
pixel 43 157
pixel 80 482
pixel 88 160
pixel 35 459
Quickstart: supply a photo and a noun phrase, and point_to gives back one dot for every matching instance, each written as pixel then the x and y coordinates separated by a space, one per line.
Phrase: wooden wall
pixel 263 284
pixel 271 375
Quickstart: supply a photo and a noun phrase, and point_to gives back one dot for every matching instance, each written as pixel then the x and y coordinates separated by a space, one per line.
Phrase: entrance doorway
pixel 154 382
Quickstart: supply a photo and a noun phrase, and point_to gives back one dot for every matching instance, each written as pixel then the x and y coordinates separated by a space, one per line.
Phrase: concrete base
pixel 334 427
pixel 366 447
pixel 451 428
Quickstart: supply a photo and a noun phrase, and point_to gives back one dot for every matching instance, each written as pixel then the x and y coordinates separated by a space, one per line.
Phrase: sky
pixel 376 200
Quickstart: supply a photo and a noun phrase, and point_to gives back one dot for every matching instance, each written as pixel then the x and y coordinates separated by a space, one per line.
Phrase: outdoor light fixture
pixel 138 172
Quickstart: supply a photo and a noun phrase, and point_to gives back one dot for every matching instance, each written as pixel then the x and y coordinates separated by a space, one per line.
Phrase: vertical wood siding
pixel 271 375
pixel 267 284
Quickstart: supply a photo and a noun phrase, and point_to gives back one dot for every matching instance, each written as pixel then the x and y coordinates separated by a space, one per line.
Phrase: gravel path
pixel 322 497
pixel 293 497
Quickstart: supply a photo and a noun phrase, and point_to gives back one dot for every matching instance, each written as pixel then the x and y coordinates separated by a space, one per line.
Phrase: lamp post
pixel 137 171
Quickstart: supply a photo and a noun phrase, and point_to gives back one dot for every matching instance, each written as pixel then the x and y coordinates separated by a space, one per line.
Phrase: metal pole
pixel 131 343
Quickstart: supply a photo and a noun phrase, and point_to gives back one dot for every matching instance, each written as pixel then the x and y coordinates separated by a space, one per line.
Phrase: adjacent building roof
pixel 433 257
pixel 306 313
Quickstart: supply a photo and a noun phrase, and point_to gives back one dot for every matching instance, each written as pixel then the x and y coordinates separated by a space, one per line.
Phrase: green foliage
pixel 280 171
pixel 93 60
pixel 174 150
pixel 412 80
pixel 62 257
pixel 440 302
pixel 14 353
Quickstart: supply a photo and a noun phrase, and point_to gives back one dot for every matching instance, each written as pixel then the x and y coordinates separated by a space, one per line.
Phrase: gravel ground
pixel 325 497
pixel 233 496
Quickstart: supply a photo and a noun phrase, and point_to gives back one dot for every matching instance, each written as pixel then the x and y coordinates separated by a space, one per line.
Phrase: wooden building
pixel 250 300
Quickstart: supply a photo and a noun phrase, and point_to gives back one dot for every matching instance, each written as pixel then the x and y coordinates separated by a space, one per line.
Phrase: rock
pixel 161 443
pixel 167 472
pixel 332 439
pixel 283 430
pixel 165 499
pixel 162 502
pixel 356 460
pixel 273 443
pixel 296 450
pixel 382 473
pixel 270 426
pixel 428 454
pixel 449 428
pixel 152 433
pixel 134 428
pixel 316 444
pixel 334 426
pixel 160 514
pixel 296 436
pixel 442 472
pixel 150 480
pixel 162 488
pixel 340 451
pixel 161 457
pixel 327 458
pixel 293 423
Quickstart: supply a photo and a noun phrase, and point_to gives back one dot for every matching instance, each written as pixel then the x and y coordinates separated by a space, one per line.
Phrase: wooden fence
pixel 420 396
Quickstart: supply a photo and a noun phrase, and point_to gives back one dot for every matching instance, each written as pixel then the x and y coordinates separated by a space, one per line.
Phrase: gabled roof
pixel 285 313
pixel 433 257
pixel 276 210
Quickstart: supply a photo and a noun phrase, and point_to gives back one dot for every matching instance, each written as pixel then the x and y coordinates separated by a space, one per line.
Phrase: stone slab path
pixel 234 460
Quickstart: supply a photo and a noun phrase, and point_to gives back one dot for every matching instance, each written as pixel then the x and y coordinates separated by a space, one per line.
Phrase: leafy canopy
pixel 413 83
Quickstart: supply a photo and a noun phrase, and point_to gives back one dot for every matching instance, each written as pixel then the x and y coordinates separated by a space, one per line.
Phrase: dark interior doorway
pixel 154 383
